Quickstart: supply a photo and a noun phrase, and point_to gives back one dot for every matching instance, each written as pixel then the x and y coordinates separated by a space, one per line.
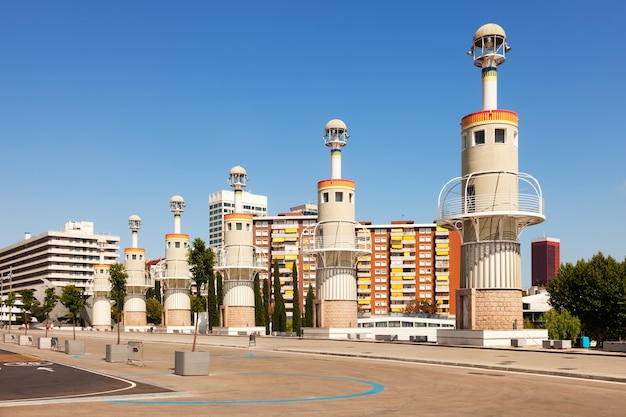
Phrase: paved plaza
pixel 282 376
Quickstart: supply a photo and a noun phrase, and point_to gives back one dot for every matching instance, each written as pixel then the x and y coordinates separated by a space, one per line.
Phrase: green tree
pixel 296 323
pixel 201 262
pixel 118 279
pixel 561 325
pixel 266 305
pixel 50 301
pixel 72 298
pixel 595 292
pixel 258 302
pixel 154 310
pixel 279 316
pixel 308 308
pixel 10 303
pixel 28 303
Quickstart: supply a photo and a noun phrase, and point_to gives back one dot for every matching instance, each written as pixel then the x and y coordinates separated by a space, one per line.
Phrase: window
pixel 177 245
pixel 464 142
pixel 338 197
pixel 479 137
pixel 238 226
pixel 500 136
pixel 350 195
pixel 324 197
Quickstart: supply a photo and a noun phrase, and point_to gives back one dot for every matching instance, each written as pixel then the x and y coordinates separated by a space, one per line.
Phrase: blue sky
pixel 108 109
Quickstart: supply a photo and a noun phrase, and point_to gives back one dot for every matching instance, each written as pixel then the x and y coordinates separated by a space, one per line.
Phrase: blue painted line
pixel 375 388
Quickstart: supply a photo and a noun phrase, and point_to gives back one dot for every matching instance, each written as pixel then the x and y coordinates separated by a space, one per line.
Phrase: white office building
pixel 223 202
pixel 56 258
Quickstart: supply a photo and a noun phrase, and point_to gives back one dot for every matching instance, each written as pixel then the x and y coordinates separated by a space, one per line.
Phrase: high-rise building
pixel 222 202
pixel 412 266
pixel 57 258
pixel 410 262
pixel 546 260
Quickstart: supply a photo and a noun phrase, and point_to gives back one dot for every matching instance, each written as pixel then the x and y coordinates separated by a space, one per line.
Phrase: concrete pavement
pixel 241 374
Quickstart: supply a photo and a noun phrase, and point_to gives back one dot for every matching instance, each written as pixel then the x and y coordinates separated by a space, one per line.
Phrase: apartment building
pixel 222 202
pixel 278 239
pixel 56 258
pixel 409 262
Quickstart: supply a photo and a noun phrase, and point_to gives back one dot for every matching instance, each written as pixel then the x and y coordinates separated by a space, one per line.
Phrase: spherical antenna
pixel 489 46
pixel 134 222
pixel 238 177
pixel 336 133
pixel 177 204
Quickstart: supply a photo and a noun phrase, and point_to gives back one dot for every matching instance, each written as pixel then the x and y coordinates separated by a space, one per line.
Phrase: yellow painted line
pixel 17 357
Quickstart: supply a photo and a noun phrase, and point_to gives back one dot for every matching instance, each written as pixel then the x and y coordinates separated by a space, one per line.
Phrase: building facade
pixel 56 258
pixel 410 262
pixel 546 260
pixel 223 202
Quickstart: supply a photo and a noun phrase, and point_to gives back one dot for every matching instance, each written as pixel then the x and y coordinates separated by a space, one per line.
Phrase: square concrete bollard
pixel 191 363
pixel 547 344
pixel 75 347
pixel 44 343
pixel 117 353
pixel 518 342
pixel 562 344
pixel 25 340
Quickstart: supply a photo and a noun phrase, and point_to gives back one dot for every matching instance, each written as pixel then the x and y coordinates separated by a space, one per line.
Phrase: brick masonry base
pixel 337 313
pixel 135 318
pixel 489 309
pixel 177 318
pixel 238 316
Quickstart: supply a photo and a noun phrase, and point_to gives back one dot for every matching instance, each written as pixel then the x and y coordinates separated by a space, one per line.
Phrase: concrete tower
pixel 101 288
pixel 491 203
pixel 176 280
pixel 238 259
pixel 336 240
pixel 137 281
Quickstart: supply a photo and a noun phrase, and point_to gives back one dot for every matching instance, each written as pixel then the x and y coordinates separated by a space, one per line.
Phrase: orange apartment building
pixel 409 262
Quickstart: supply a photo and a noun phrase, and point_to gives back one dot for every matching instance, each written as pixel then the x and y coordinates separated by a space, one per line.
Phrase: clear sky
pixel 108 109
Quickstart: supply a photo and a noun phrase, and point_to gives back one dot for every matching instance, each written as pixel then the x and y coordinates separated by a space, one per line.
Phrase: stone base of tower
pixel 101 327
pixel 177 318
pixel 490 317
pixel 489 309
pixel 335 313
pixel 238 316
pixel 135 318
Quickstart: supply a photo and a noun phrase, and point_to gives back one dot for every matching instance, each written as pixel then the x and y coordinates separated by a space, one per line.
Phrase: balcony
pixel 457 201
pixel 337 236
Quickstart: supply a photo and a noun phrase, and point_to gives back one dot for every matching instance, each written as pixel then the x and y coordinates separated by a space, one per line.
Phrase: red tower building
pixel 546 260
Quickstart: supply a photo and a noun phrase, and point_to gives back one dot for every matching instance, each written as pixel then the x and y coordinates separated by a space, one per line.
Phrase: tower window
pixel 325 198
pixel 238 226
pixel 500 138
pixel 350 198
pixel 338 197
pixel 464 142
pixel 177 245
pixel 479 137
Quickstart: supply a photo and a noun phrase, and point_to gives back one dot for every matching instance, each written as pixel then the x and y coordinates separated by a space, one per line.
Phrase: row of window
pixel 478 137
pixel 339 197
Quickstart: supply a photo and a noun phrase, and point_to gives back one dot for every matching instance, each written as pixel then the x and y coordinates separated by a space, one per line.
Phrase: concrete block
pixel 562 344
pixel 117 353
pixel 191 363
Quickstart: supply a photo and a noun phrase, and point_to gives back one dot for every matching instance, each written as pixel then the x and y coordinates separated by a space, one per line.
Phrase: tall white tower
pixel 176 280
pixel 137 281
pixel 336 240
pixel 491 203
pixel 101 288
pixel 238 259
